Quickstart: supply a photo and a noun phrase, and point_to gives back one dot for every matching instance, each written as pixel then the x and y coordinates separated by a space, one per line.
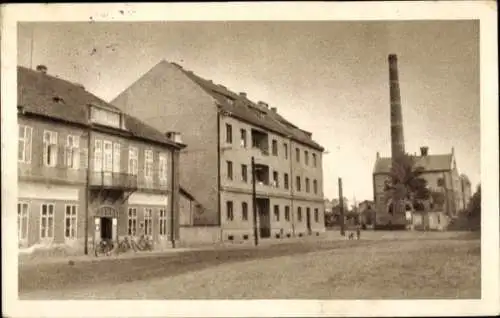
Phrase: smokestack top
pixel 393 57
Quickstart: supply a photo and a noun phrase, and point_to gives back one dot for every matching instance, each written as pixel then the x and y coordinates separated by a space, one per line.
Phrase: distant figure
pixel 358 231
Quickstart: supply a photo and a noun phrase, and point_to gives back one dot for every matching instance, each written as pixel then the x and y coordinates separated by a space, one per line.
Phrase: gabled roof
pixel 244 109
pixel 49 96
pixel 428 163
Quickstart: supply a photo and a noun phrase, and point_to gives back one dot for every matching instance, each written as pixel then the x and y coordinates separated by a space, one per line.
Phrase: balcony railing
pixel 116 180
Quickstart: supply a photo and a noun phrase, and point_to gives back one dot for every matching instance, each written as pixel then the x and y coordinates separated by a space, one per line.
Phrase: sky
pixel 327 77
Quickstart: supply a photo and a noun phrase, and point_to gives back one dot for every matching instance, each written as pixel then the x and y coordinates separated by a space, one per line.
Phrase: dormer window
pixel 106 117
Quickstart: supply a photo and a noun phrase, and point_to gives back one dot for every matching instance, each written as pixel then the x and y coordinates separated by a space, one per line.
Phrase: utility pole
pixel 341 202
pixel 254 204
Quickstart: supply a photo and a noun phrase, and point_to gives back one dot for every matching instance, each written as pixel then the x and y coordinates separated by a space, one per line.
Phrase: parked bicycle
pixel 145 243
pixel 124 246
pixel 104 248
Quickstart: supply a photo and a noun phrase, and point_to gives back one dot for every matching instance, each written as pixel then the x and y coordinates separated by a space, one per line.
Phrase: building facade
pixel 87 171
pixel 440 172
pixel 225 130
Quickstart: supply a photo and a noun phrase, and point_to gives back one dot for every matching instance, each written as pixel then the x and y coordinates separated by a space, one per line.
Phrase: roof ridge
pixel 210 87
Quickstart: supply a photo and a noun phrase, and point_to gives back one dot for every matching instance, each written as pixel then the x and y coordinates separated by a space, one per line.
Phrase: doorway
pixel 308 221
pixel 106 228
pixel 264 217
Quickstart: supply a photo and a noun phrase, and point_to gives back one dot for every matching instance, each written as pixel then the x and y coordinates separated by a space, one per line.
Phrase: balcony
pixel 113 180
pixel 260 142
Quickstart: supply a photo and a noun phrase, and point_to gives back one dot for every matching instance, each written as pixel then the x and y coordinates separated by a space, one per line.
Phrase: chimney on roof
pixel 274 109
pixel 41 69
pixel 378 155
pixel 243 94
pixel 263 104
pixel 174 136
pixel 424 151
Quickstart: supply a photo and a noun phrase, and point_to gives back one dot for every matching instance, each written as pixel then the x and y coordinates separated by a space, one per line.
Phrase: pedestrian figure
pixel 358 231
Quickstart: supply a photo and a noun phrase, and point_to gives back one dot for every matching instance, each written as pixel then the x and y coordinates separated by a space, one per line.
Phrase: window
pixel 276 181
pixel 162 168
pixel 132 221
pixel 116 157
pixel 229 211
pixel 244 211
pixel 277 213
pixel 297 183
pixel 299 214
pixel 285 150
pixel 70 220
pixel 148 164
pixel 229 170
pixel 244 173
pixel 148 222
pixel 98 155
pixel 133 160
pixel 307 185
pixel 285 181
pixel 47 221
pixel 306 157
pixel 72 153
pixel 22 221
pixel 108 156
pixel 50 148
pixel 287 213
pixel 229 134
pixel 163 222
pixel 315 163
pixel 243 138
pixel 275 147
pixel 297 154
pixel 24 144
pixel 316 215
pixel 315 186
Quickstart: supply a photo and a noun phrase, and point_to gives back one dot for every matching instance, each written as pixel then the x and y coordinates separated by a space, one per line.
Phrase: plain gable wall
pixel 168 100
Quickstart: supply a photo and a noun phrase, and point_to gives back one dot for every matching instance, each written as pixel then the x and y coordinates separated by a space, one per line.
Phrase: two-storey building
pixel 225 130
pixel 87 171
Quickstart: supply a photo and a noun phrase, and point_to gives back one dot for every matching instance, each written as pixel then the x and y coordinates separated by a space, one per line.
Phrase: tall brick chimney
pixel 397 136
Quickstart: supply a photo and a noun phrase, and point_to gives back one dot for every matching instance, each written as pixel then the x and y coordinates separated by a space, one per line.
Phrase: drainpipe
pixel 254 205
pixel 172 198
pixel 87 190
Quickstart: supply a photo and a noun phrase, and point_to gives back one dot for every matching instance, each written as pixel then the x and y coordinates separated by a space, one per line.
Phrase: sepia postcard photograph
pixel 250 159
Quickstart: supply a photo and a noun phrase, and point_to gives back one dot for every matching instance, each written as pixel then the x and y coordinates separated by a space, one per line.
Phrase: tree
pixel 474 209
pixel 406 182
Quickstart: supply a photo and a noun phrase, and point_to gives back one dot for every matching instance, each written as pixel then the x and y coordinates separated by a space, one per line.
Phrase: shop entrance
pixel 106 228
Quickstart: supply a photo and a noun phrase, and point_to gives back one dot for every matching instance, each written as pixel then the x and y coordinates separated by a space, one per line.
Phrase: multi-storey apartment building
pixel 126 185
pixel 225 130
pixel 442 175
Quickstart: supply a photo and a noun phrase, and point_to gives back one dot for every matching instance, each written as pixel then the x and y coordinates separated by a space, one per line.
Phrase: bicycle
pixel 145 243
pixel 104 247
pixel 123 246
